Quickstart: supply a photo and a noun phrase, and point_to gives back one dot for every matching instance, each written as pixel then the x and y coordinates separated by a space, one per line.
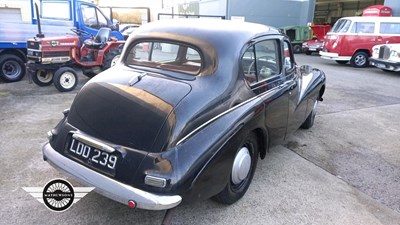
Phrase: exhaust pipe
pixel 39 34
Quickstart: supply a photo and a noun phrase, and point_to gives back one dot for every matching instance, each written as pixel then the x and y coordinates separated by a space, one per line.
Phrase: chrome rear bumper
pixel 108 187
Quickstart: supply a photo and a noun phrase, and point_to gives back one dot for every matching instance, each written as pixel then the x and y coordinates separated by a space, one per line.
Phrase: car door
pixel 297 106
pixel 261 65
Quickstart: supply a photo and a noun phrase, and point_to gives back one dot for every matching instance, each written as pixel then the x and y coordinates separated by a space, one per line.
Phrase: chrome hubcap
pixel 241 165
pixel 67 80
pixel 11 69
pixel 360 60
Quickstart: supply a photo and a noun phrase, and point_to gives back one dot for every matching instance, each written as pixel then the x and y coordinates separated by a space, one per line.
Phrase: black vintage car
pixel 186 113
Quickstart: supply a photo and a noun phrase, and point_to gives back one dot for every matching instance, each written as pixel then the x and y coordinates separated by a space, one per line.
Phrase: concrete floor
pixel 345 170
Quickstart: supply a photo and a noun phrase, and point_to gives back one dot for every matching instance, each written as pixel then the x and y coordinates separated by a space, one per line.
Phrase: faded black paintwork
pixel 182 127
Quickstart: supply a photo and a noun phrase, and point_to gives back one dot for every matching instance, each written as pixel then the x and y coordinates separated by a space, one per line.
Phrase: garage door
pixel 10 15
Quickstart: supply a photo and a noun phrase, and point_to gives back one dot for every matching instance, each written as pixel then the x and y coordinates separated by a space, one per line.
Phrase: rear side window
pixel 162 55
pixel 363 27
pixel 390 28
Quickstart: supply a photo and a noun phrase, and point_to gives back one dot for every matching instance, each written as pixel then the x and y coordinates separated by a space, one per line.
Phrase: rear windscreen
pixel 167 56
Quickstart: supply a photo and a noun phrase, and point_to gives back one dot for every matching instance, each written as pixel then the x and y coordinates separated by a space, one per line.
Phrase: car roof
pixel 201 28
pixel 213 37
pixel 372 19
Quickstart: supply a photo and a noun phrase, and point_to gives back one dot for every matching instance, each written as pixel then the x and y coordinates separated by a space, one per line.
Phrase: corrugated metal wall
pixel 277 13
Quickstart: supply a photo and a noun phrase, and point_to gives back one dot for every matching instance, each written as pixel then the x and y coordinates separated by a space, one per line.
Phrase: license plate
pixel 92 156
pixel 312 49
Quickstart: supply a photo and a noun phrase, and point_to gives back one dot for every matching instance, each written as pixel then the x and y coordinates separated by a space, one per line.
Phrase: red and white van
pixel 352 38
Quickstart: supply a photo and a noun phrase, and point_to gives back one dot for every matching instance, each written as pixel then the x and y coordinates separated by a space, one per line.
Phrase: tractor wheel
pixel 111 58
pixel 42 77
pixel 12 68
pixel 65 79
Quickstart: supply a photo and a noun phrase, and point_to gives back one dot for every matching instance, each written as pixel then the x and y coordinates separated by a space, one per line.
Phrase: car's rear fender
pixel 202 157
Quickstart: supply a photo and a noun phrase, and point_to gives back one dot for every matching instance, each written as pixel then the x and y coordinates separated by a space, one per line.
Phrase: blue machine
pixel 57 17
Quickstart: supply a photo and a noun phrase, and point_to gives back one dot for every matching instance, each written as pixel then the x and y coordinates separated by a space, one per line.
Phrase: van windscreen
pixel 341 26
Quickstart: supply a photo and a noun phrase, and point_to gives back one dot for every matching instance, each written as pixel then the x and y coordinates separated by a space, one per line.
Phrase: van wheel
pixel 359 60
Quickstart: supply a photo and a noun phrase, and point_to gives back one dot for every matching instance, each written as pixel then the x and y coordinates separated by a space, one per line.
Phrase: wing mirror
pixel 306 70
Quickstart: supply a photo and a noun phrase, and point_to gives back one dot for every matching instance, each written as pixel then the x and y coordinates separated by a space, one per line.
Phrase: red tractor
pixel 57 60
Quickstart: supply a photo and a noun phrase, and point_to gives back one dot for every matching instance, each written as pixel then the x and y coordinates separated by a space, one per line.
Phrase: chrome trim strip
pixel 92 142
pixel 56 59
pixel 108 187
pixel 226 112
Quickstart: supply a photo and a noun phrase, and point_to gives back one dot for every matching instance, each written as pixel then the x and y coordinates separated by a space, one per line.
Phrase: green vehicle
pixel 297 35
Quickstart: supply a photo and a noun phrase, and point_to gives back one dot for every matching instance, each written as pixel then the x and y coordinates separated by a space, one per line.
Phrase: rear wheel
pixel 12 68
pixel 242 172
pixel 65 79
pixel 42 77
pixel 342 62
pixel 359 60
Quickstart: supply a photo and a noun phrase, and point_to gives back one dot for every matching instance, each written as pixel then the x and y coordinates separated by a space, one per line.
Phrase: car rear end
pixel 113 135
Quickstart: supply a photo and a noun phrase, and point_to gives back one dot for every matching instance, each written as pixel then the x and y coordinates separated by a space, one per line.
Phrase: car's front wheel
pixel 242 171
pixel 309 122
